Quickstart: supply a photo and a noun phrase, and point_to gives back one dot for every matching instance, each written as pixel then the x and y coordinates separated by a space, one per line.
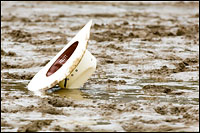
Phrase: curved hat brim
pixel 44 79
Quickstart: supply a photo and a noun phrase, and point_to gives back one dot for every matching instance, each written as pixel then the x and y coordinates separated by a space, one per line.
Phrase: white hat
pixel 71 67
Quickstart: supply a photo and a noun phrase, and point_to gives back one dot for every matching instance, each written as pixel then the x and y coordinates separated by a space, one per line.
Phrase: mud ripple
pixel 35 126
pixel 10 53
pixel 8 75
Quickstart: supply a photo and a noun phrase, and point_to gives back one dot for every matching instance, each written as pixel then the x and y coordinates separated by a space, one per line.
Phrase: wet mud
pixel 147 76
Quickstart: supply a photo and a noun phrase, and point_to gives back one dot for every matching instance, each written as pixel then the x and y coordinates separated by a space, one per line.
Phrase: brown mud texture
pixel 147 75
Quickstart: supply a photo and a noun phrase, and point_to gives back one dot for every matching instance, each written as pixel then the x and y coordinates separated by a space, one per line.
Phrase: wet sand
pixel 147 76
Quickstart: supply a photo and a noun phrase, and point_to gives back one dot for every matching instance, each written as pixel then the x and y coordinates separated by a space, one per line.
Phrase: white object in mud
pixel 81 73
pixel 71 58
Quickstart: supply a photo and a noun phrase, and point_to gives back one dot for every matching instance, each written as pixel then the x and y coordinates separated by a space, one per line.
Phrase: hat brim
pixel 48 77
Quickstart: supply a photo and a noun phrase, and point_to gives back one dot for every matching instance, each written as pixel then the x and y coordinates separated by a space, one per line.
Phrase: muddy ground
pixel 147 76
